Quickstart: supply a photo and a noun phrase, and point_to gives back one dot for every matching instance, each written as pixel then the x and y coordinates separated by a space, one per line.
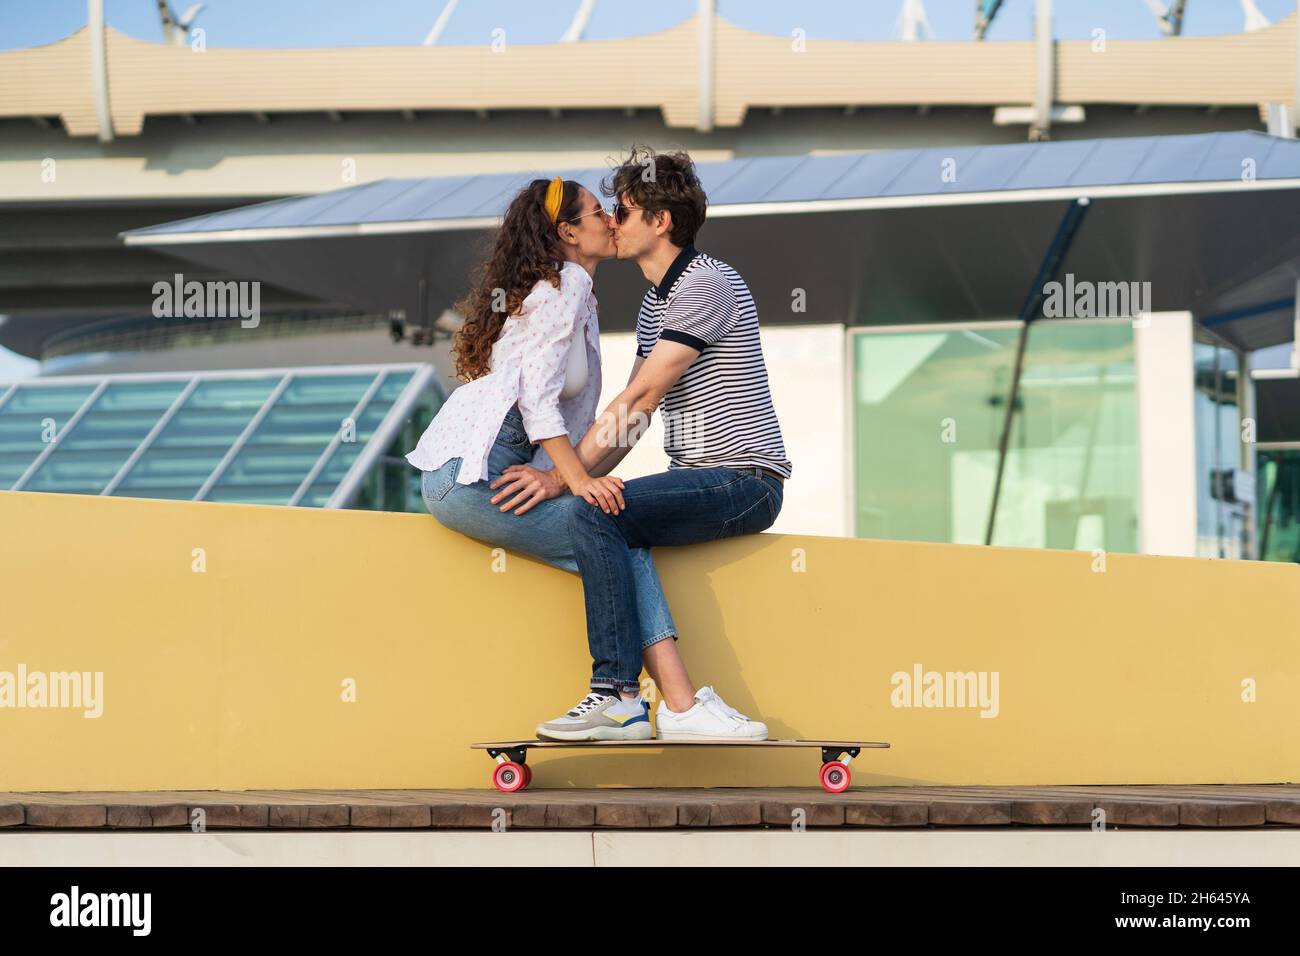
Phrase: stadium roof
pixel 110 95
pixel 924 234
pixel 266 436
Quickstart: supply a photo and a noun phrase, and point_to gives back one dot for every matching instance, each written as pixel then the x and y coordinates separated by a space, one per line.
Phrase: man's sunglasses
pixel 621 212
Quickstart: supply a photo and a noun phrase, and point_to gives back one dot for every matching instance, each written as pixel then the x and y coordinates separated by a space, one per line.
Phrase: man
pixel 700 358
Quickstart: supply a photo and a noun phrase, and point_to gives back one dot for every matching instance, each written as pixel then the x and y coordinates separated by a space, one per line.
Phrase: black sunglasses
pixel 621 212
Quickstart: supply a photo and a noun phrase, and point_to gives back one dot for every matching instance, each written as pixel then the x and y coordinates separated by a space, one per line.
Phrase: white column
pixel 95 24
pixel 705 23
pixel 1044 86
pixel 1166 432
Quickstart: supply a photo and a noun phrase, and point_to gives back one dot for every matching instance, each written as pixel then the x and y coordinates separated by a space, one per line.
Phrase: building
pixel 854 374
pixel 330 436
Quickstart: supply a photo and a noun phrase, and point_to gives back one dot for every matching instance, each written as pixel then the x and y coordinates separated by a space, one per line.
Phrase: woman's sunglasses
pixel 598 211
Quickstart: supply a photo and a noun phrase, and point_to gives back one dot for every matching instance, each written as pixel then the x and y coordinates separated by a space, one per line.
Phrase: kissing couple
pixel 517 457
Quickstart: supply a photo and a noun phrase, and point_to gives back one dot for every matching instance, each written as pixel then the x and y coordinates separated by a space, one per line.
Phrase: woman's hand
pixel 528 485
pixel 606 493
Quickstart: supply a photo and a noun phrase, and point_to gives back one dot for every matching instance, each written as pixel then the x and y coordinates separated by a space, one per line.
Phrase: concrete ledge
pixel 243 647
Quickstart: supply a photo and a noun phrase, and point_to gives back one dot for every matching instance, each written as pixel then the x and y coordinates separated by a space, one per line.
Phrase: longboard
pixel 512 772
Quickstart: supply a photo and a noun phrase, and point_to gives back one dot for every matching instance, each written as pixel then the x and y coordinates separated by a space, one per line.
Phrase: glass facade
pixel 287 436
pixel 928 411
pixel 1279 499
pixel 1223 522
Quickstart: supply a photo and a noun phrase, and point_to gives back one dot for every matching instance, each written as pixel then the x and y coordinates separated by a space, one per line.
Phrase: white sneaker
pixel 726 708
pixel 710 719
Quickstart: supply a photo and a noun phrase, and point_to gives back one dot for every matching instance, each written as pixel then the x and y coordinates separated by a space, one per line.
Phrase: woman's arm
pixel 568 466
pixel 551 328
pixel 599 459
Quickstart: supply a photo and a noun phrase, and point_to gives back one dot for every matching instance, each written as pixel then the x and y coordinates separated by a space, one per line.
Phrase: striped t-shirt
pixel 719 413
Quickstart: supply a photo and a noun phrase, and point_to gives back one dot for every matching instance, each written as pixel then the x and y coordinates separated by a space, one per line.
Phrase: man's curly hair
pixel 662 181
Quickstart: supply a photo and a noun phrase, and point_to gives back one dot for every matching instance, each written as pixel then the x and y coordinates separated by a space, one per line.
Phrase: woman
pixel 529 354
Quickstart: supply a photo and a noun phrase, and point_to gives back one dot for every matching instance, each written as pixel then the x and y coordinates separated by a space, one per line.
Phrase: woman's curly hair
pixel 524 250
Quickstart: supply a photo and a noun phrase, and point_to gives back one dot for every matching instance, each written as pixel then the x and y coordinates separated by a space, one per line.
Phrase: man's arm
pixel 712 313
pixel 615 455
pixel 618 428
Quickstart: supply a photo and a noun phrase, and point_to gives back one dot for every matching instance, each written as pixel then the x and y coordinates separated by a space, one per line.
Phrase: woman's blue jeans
pixel 543 532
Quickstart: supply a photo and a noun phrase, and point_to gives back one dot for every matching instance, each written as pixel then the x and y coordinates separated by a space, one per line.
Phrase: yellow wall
pixel 231 678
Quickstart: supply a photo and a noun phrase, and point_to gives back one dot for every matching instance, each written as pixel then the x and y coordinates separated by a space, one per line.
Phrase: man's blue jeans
pixel 676 507
pixel 543 532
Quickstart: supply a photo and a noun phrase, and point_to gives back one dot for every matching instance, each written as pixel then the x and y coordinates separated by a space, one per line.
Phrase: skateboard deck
pixel 512 772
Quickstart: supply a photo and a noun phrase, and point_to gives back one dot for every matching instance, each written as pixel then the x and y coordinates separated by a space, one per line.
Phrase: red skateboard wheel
pixel 509 777
pixel 528 777
pixel 836 777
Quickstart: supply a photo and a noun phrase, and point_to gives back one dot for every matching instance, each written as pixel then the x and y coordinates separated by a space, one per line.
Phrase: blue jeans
pixel 676 507
pixel 543 532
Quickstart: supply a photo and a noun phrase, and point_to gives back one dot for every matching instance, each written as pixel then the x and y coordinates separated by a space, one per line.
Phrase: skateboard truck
pixel 830 754
pixel 517 754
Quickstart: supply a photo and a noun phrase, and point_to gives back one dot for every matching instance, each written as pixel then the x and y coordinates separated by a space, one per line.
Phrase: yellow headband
pixel 554 197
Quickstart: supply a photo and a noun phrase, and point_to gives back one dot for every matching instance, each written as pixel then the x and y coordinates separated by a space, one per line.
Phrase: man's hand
pixel 528 485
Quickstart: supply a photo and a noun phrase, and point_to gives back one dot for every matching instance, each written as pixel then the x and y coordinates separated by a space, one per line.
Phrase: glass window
pixel 196 439
pixel 1221 525
pixel 33 418
pixel 121 417
pixel 929 407
pixel 290 439
pixel 1279 498
pixel 166 436
pixel 346 453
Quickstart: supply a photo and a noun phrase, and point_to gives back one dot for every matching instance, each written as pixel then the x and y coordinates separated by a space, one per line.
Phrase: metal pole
pixel 1050 267
pixel 1268 508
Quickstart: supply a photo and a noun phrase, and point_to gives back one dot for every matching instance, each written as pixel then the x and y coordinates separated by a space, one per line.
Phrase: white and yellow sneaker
pixel 600 716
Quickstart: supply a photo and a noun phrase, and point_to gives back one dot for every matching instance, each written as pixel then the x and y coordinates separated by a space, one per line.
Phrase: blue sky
pixel 297 23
